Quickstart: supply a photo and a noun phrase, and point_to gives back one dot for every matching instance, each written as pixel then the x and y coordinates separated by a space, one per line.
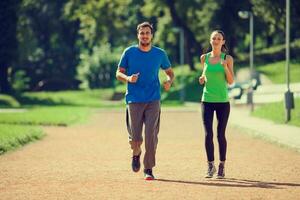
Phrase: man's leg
pixel 151 120
pixel 134 120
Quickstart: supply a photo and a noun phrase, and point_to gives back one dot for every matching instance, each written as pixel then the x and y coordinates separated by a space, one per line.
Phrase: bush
pixel 97 69
pixel 8 101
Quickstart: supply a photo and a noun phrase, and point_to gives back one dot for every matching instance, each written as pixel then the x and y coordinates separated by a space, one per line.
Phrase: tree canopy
pixel 69 44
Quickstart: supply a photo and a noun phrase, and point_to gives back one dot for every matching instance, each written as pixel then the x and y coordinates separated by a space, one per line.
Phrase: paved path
pixel 270 93
pixel 280 134
pixel 92 161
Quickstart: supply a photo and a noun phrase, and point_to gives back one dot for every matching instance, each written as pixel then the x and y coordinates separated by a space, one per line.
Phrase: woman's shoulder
pixel 203 56
pixel 228 57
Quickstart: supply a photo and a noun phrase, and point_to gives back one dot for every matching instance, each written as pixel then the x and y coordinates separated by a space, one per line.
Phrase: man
pixel 139 67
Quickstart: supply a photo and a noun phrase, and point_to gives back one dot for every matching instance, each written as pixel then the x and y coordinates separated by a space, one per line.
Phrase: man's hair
pixel 144 24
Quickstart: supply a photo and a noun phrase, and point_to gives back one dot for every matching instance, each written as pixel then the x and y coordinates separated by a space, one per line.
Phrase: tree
pixel 233 26
pixel 273 14
pixel 48 45
pixel 8 41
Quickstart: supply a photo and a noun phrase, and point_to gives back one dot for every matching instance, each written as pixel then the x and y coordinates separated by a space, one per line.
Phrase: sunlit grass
pixel 58 115
pixel 14 136
pixel 276 112
pixel 276 72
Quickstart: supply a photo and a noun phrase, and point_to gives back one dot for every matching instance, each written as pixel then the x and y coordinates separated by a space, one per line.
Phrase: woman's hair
pixel 224 48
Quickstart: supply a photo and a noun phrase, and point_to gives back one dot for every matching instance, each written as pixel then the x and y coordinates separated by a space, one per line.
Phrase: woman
pixel 217 74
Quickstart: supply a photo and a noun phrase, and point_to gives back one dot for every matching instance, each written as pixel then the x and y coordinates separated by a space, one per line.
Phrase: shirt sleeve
pixel 165 61
pixel 124 60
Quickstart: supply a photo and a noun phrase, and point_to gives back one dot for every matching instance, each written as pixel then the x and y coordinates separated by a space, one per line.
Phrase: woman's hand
pixel 202 79
pixel 224 63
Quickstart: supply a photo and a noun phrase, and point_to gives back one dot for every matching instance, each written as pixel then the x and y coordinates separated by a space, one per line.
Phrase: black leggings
pixel 222 111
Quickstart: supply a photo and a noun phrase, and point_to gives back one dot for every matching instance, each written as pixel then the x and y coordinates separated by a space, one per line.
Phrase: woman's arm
pixel 228 67
pixel 202 78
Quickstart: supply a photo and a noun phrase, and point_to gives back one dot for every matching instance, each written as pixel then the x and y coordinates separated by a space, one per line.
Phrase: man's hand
pixel 167 85
pixel 133 78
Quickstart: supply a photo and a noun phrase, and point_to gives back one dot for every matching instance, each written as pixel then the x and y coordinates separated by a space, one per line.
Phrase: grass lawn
pixel 276 71
pixel 276 112
pixel 21 125
pixel 14 136
pixel 55 115
pixel 86 98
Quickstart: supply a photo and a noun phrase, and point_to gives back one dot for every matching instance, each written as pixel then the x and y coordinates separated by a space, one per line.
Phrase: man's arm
pixel 121 76
pixel 170 78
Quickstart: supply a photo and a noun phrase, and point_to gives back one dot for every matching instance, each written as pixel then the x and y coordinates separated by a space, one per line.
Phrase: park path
pixel 92 161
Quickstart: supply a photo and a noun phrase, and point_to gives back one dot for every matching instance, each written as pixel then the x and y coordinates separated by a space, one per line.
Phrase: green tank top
pixel 215 88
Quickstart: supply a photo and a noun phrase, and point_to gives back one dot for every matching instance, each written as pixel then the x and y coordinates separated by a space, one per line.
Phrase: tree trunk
pixel 8 41
pixel 192 47
pixel 4 84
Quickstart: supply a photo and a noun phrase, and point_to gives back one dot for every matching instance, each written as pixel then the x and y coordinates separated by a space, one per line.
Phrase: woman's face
pixel 216 40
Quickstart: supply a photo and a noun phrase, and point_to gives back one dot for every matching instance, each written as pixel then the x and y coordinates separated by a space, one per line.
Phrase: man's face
pixel 144 36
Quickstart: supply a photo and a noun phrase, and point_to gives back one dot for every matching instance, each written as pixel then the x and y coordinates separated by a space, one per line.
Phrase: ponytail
pixel 224 48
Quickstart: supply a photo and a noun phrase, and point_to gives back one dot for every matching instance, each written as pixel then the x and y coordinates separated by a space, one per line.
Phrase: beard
pixel 145 44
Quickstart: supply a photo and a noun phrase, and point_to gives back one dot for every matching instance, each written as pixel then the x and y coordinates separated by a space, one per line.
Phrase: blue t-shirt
pixel 147 64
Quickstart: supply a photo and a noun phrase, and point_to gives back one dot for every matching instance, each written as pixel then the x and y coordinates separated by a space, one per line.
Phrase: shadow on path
pixel 232 182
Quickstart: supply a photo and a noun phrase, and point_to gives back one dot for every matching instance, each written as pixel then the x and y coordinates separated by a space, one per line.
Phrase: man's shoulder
pixel 156 48
pixel 131 48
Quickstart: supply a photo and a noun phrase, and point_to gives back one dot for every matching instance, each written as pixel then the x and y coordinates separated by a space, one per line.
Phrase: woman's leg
pixel 207 117
pixel 222 112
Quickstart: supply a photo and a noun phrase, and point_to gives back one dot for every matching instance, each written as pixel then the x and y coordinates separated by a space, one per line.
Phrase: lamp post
pixel 246 15
pixel 181 60
pixel 289 98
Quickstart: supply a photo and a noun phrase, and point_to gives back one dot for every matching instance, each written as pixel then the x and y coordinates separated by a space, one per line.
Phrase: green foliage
pixel 14 136
pixel 60 41
pixel 20 81
pixel 97 69
pixel 276 112
pixel 186 83
pixel 47 44
pixel 273 13
pixel 8 101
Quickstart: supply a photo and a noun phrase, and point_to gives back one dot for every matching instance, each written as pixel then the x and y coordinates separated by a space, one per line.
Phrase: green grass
pixel 86 98
pixel 20 125
pixel 276 72
pixel 276 112
pixel 55 116
pixel 14 136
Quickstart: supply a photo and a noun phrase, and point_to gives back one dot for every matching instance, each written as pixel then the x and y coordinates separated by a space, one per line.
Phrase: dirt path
pixel 92 161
